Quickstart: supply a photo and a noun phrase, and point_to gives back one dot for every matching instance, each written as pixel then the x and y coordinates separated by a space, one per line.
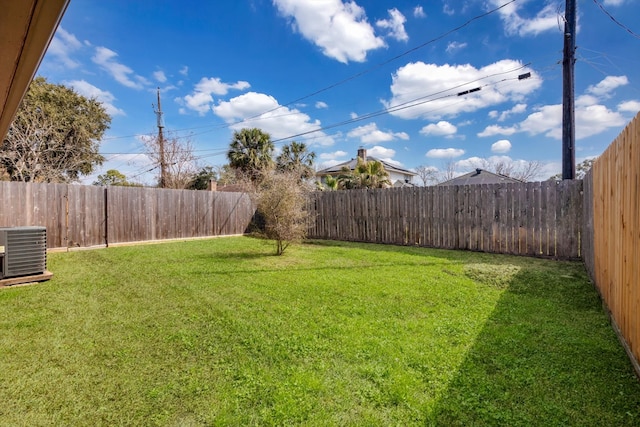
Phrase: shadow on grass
pixel 546 356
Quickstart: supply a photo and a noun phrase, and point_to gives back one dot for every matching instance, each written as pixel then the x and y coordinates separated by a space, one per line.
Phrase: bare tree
pixel 428 174
pixel 449 171
pixel 179 159
pixel 523 170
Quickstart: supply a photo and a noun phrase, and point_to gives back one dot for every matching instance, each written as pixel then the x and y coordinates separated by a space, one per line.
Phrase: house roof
pixel 26 28
pixel 351 164
pixel 480 176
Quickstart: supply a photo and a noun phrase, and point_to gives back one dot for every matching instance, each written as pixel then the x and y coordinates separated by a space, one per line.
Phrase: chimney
pixel 213 185
pixel 362 153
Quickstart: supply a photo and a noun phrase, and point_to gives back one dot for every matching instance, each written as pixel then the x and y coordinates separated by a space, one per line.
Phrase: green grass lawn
pixel 221 332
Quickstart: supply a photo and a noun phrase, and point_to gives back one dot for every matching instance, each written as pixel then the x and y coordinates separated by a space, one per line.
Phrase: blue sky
pixel 383 75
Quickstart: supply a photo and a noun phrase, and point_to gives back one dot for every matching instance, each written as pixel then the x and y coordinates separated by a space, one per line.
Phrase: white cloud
pixel 629 106
pixel 385 154
pixel 418 12
pixel 201 99
pixel 160 76
pixel 454 46
pixel 590 120
pixel 613 2
pixel 370 134
pixel 353 115
pixel 321 105
pixel 90 91
pixel 381 152
pixel 498 130
pixel 545 20
pixel 409 83
pixel 517 109
pixel 448 10
pixel 445 153
pixel 334 155
pixel 502 146
pixel 184 70
pixel 395 25
pixel 608 85
pixel 62 46
pixel 442 128
pixel 124 75
pixel 263 111
pixel 340 29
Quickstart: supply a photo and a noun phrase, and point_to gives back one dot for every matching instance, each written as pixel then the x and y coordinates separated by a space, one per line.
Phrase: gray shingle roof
pixel 480 176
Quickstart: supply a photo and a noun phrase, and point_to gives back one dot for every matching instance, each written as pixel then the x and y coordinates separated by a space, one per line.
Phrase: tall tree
pixel 55 135
pixel 114 177
pixel 200 180
pixel 251 152
pixel 297 158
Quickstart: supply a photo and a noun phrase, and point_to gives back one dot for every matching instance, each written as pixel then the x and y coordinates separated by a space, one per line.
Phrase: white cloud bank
pixel 90 91
pixel 395 25
pixel 263 111
pixel 106 59
pixel 445 153
pixel 201 99
pixel 442 128
pixel 340 30
pixel 370 134
pixel 409 83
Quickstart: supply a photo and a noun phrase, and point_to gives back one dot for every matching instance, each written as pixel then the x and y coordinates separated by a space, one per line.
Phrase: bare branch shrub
pixel 281 201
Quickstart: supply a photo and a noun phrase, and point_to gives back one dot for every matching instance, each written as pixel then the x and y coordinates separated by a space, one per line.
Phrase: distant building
pixel 398 176
pixel 480 176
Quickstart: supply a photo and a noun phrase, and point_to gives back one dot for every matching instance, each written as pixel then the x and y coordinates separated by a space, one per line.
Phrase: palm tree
pixel 297 158
pixel 250 152
pixel 331 182
pixel 366 174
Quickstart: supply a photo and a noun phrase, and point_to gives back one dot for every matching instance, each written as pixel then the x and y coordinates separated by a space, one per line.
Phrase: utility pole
pixel 163 165
pixel 568 107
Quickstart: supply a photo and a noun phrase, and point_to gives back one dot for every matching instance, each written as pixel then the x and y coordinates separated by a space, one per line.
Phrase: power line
pixel 348 79
pixel 613 18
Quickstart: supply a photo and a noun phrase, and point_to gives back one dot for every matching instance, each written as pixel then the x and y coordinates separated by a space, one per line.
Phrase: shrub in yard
pixel 281 201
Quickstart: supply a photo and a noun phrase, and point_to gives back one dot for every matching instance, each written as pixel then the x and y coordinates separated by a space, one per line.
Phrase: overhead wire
pixel 614 19
pixel 345 80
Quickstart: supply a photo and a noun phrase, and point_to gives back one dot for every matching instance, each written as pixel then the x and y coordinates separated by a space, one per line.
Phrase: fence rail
pixel 535 219
pixel 85 216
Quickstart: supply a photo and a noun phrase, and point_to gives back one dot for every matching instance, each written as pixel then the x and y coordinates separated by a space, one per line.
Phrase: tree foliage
pixel 366 174
pixel 297 158
pixel 115 178
pixel 55 135
pixel 251 153
pixel 281 201
pixel 581 169
pixel 200 181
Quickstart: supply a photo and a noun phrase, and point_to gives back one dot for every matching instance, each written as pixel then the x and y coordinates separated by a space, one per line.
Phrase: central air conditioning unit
pixel 23 251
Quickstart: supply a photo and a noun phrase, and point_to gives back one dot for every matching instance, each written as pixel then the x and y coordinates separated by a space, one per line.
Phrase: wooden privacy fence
pixel 535 219
pixel 612 233
pixel 85 216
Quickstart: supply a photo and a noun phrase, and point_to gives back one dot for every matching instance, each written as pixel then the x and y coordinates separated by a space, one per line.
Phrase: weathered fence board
pixel 84 216
pixel 537 219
